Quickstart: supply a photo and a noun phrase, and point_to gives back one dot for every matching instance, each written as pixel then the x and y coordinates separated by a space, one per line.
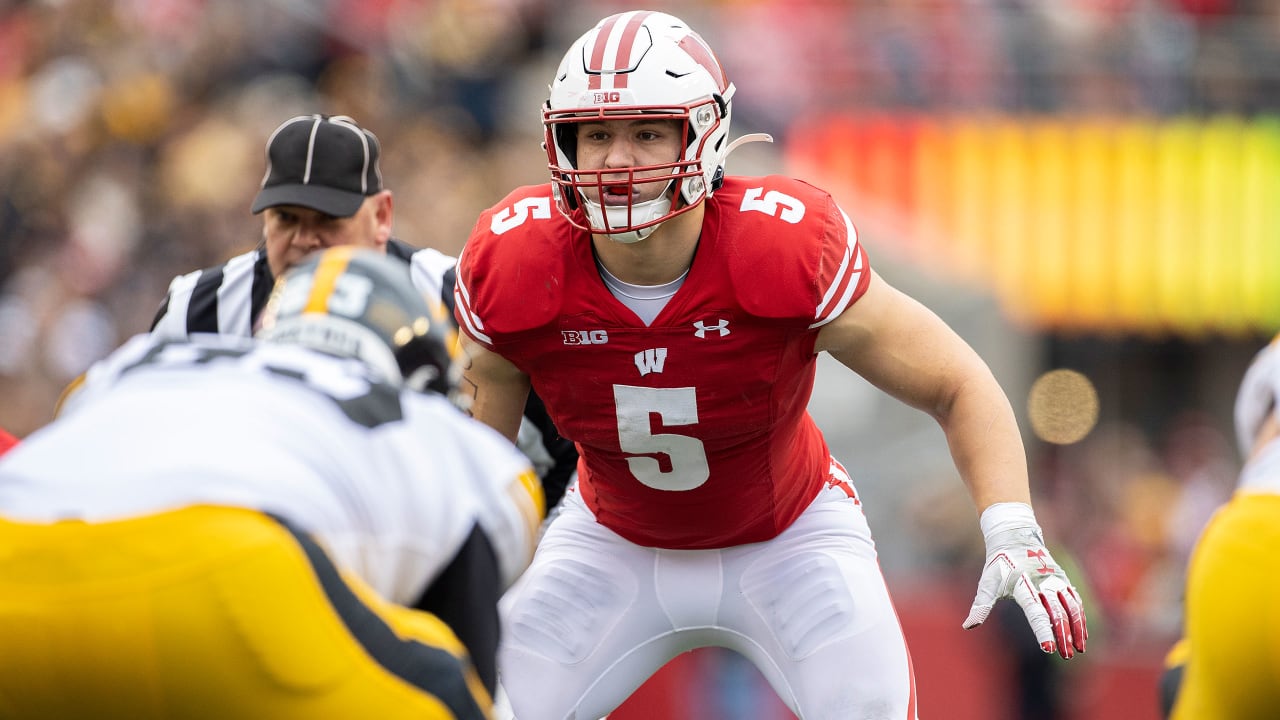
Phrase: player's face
pixel 623 144
pixel 292 232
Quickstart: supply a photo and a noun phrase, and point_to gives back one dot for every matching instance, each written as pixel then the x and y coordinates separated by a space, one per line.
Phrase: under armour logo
pixel 1040 555
pixel 701 328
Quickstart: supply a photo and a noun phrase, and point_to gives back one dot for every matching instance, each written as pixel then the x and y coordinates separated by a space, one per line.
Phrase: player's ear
pixel 384 216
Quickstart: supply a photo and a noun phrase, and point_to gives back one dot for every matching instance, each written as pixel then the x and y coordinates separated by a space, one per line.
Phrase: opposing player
pixel 1226 663
pixel 323 188
pixel 7 441
pixel 219 527
pixel 670 317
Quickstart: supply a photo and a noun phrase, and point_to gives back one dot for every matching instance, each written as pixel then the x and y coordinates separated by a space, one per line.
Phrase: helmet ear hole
pixel 567 140
pixel 570 198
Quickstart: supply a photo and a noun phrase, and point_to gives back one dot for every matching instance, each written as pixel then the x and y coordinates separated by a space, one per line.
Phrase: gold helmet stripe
pixel 332 264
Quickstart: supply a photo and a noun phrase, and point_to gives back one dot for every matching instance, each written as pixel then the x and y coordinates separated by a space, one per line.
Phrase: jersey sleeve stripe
pixel 849 276
pixel 234 305
pixel 202 305
pixel 472 322
pixel 259 287
pixel 173 322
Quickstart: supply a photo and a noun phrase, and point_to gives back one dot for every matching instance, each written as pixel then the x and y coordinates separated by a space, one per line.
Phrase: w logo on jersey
pixel 651 360
pixel 701 328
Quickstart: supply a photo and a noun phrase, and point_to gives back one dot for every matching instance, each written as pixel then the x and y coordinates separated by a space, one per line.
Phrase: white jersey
pixel 391 481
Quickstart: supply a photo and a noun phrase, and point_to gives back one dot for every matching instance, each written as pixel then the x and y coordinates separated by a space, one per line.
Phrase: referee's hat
pixel 324 162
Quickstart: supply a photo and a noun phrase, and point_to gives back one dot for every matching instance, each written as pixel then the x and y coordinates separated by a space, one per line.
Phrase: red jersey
pixel 693 431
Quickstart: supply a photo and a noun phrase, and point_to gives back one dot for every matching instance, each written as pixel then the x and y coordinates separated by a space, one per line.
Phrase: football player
pixel 323 187
pixel 224 527
pixel 670 316
pixel 1225 667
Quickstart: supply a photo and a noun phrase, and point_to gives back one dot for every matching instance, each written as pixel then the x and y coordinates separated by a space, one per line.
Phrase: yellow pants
pixel 1233 616
pixel 211 613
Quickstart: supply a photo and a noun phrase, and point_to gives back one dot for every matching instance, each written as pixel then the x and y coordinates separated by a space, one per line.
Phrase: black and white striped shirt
pixel 226 299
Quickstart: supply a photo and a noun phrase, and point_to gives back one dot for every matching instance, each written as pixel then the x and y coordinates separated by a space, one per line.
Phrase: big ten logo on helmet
pixel 584 337
pixel 607 96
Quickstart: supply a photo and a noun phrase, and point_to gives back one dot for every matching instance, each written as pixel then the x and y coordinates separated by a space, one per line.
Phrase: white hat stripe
pixel 348 123
pixel 311 150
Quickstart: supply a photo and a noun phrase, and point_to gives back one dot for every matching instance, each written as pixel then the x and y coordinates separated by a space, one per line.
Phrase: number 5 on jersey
pixel 674 406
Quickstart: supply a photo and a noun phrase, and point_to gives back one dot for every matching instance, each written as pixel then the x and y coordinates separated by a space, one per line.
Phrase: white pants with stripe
pixel 595 615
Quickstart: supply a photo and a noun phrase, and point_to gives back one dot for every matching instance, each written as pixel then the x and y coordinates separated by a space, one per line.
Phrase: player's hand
pixel 1019 566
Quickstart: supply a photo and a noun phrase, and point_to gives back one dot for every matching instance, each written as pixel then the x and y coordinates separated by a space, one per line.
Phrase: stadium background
pixel 1085 185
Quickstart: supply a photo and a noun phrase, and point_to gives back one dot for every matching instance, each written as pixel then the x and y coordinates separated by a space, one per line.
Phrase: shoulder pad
pixel 509 275
pixel 794 252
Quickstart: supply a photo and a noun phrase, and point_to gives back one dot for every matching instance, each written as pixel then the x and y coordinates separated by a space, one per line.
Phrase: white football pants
pixel 595 615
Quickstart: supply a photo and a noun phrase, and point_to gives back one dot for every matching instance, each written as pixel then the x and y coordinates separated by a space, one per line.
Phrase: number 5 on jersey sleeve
pixel 674 406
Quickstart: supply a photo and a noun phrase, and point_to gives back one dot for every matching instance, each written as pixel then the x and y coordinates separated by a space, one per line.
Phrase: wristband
pixel 1007 516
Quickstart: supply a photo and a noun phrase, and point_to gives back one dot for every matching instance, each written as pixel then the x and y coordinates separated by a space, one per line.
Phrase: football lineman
pixel 222 527
pixel 670 317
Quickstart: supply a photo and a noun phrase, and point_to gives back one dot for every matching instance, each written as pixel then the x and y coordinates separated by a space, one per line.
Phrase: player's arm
pixel 465 596
pixel 903 348
pixel 494 389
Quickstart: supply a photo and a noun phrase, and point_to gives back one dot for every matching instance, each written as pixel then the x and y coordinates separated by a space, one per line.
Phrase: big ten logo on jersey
pixel 510 218
pixel 584 337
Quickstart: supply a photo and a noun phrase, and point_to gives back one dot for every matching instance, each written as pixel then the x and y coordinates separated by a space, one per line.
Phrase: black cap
pixel 326 163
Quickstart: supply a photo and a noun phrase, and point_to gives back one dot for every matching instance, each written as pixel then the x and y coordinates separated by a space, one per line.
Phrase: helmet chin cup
pixel 633 219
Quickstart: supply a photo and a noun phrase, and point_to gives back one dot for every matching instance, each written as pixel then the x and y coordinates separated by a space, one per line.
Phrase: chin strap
pixel 748 138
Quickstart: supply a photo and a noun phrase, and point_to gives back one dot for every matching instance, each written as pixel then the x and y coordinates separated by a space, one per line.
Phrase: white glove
pixel 1019 566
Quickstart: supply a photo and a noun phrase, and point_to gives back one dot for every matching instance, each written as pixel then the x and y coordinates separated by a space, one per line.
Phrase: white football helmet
pixel 638 65
pixel 1257 397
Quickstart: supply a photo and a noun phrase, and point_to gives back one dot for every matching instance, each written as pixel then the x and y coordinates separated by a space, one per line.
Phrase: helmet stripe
pixel 594 67
pixel 697 48
pixel 625 46
pixel 625 37
pixel 332 264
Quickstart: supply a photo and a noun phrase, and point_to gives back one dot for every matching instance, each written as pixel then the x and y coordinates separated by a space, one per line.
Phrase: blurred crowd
pixel 132 133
